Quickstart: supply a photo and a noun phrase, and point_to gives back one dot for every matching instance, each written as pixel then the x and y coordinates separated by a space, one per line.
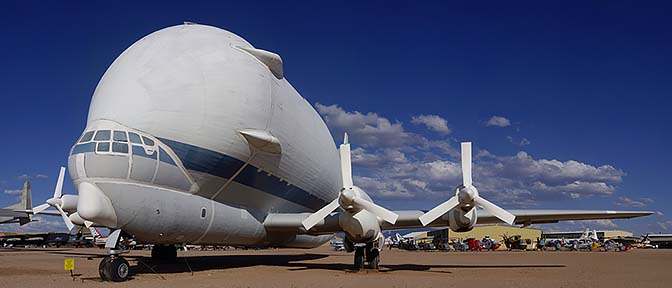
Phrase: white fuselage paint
pixel 191 89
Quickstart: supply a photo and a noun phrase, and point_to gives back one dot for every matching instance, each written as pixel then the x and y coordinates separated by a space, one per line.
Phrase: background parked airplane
pixel 20 212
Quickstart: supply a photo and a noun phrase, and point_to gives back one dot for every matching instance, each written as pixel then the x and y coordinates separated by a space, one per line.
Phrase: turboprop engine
pixel 61 202
pixel 64 203
pixel 462 206
pixel 461 221
pixel 360 220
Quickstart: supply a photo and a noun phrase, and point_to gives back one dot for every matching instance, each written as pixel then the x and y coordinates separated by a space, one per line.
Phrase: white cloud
pixel 606 223
pixel 410 166
pixel 522 142
pixel 663 225
pixel 13 191
pixel 498 121
pixel 592 224
pixel 628 202
pixel 368 130
pixel 27 177
pixel 432 122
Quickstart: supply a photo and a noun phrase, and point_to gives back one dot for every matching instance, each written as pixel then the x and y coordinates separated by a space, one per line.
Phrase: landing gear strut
pixel 164 253
pixel 114 267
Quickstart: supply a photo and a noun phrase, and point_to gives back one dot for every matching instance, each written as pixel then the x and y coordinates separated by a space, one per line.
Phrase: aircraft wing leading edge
pixel 410 219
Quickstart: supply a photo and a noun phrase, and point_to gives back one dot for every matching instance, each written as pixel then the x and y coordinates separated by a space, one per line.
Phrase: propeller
pixel 466 196
pixel 57 201
pixel 350 197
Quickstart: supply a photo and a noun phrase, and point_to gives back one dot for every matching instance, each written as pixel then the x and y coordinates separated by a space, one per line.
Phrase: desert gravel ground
pixel 322 267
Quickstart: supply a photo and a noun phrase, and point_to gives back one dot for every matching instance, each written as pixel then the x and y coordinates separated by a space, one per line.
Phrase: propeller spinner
pixel 466 195
pixel 350 196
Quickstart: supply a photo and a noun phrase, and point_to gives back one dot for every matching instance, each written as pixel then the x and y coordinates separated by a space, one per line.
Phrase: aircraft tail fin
pixel 26 203
pixel 26 199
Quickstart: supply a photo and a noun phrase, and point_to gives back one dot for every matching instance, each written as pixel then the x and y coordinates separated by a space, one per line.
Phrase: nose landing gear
pixel 114 267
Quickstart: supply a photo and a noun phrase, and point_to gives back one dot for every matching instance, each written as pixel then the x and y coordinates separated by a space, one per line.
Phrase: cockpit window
pixel 135 138
pixel 148 142
pixel 164 157
pixel 120 147
pixel 86 137
pixel 102 135
pixel 120 136
pixel 103 146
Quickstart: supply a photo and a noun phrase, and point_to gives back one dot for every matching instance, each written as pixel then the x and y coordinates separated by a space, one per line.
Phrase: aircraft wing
pixel 25 213
pixel 291 222
pixel 12 213
pixel 528 217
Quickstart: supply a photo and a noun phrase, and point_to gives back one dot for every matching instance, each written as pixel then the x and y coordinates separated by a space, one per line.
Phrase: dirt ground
pixel 322 267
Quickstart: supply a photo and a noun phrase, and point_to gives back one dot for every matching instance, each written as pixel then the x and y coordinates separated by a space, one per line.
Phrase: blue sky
pixel 583 83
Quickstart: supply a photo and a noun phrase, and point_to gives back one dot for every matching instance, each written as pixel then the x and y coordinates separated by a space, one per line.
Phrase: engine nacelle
pixel 360 227
pixel 460 220
pixel 69 203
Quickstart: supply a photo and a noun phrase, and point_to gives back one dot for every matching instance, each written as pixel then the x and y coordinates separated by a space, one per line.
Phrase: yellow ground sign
pixel 69 264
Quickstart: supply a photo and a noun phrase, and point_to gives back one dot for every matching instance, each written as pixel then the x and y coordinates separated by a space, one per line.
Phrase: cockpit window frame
pixel 147 141
pixel 134 138
pixel 86 137
pixel 103 136
pixel 119 136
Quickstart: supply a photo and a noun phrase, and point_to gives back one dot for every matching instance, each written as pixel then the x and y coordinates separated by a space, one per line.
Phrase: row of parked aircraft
pixel 194 136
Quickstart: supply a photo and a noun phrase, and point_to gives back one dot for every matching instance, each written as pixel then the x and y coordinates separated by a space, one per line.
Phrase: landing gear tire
pixel 114 268
pixel 164 253
pixel 373 258
pixel 359 258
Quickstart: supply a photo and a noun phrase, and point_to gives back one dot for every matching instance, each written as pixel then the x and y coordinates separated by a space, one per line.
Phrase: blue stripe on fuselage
pixel 221 165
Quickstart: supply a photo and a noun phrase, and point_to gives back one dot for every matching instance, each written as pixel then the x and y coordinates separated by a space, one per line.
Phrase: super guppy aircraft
pixel 194 136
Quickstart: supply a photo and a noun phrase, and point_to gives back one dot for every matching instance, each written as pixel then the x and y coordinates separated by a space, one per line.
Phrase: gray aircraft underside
pixel 195 136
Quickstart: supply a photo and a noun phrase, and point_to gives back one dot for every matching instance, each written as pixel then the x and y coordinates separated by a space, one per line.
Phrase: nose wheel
pixel 114 268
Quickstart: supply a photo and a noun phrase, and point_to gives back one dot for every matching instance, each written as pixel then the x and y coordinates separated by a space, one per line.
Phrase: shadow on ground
pixel 293 262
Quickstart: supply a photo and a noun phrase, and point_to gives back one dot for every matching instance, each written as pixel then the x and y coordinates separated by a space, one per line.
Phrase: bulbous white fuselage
pixel 162 142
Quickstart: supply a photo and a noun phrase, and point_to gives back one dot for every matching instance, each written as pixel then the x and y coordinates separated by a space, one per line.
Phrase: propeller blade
pixel 379 211
pixel 316 217
pixel 495 210
pixel 346 165
pixel 437 211
pixel 40 208
pixel 466 164
pixel 66 219
pixel 59 183
pixel 88 224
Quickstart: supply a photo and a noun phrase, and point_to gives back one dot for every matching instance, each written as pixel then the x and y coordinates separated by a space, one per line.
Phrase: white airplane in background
pixel 194 136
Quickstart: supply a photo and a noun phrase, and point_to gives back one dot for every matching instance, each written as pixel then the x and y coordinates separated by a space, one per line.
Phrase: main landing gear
pixel 367 257
pixel 164 253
